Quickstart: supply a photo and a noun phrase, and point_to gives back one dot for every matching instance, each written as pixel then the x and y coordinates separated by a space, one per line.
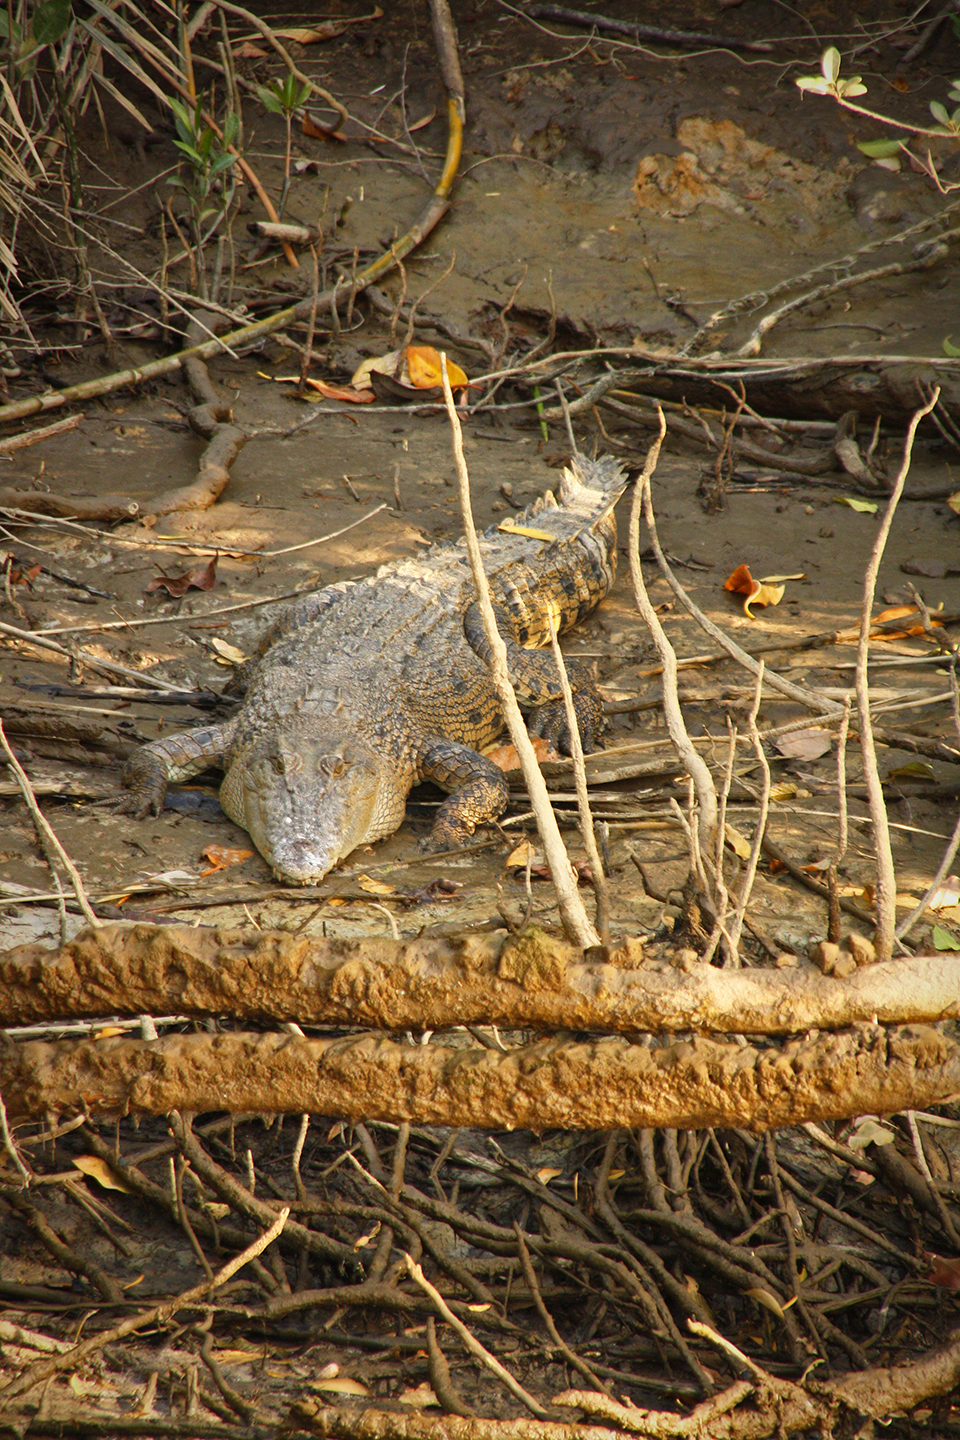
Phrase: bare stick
pixel 583 799
pixel 695 766
pixel 473 1344
pixel 886 879
pixel 31 437
pixel 11 1147
pixel 572 911
pixel 45 832
pixel 761 825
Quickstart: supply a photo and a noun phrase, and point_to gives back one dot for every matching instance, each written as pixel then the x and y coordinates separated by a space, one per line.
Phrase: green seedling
pixel 207 167
pixel 284 97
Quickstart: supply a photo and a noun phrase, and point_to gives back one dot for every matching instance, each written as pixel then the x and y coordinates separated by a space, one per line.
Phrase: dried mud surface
pixel 630 192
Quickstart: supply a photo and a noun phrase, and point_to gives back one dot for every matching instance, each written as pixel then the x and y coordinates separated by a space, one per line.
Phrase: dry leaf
pixel 227 654
pixel 375 887
pixel 383 365
pixel 199 577
pixel 739 843
pixel 108 1032
pixel 945 1273
pixel 546 1175
pixel 99 1170
pixel 869 1132
pixel 805 744
pixel 946 895
pixel 423 364
pixel 238 1357
pixel 315 131
pixel 757 592
pixel 865 507
pixel 507 527
pixel 220 856
pixel 506 758
pixel 418 1399
pixel 341 392
pixel 341 1385
pixel 519 858
pixel 764 1298
pixel 954 502
pixel 246 50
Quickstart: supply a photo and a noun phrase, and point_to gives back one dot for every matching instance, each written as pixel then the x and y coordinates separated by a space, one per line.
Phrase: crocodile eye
pixel 333 766
pixel 277 762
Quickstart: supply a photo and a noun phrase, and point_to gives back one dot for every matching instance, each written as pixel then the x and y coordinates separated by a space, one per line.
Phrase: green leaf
pixel 879 149
pixel 939 112
pixel 851 89
pixel 830 65
pixel 949 349
pixel 269 99
pixel 50 21
pixel 944 939
pixel 867 507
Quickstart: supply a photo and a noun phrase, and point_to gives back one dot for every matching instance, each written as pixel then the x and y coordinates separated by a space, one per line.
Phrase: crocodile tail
pixel 604 474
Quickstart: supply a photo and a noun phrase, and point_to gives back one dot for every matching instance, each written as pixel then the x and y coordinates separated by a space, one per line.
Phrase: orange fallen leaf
pixel 330 392
pixel 220 856
pixel 757 592
pixel 423 363
pixel 315 131
pixel 341 392
pixel 505 757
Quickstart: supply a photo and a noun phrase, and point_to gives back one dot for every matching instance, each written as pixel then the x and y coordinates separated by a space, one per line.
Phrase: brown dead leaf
pixel 198 577
pixel 246 50
pixel 99 1170
pixel 805 744
pixel 944 1272
pixel 220 856
pixel 757 592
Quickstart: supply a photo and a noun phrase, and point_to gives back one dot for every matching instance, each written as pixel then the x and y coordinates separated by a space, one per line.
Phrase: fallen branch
pixel 43 432
pixel 71 507
pixel 528 981
pixel 555 1083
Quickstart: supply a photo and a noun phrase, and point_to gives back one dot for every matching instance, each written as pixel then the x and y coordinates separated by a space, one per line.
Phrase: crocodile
pixel 365 688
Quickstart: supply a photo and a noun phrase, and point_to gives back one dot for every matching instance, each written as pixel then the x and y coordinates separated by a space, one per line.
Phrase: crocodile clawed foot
pixel 146 779
pixel 445 835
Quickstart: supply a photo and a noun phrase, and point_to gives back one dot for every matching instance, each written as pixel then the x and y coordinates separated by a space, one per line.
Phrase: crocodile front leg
pixel 178 757
pixel 479 792
pixel 534 677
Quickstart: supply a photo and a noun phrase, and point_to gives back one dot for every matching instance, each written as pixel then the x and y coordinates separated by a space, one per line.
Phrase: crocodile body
pixel 369 687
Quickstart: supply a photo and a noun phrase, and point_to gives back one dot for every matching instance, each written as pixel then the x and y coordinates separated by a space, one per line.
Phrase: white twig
pixel 572 911
pixel 696 767
pixel 473 1344
pixel 886 878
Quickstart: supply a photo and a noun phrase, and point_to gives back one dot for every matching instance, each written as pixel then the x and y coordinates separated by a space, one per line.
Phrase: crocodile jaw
pixel 308 800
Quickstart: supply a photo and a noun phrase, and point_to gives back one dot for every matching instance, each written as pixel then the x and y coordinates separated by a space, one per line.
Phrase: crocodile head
pixel 308 796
